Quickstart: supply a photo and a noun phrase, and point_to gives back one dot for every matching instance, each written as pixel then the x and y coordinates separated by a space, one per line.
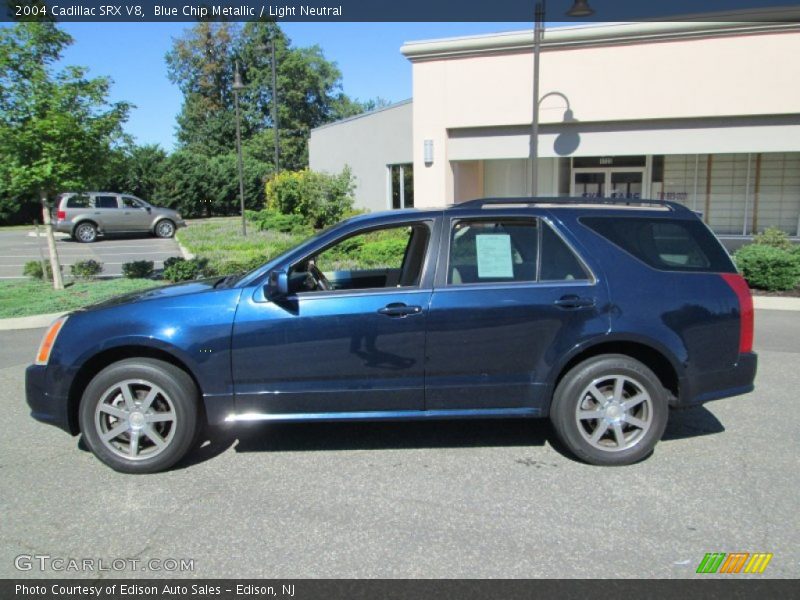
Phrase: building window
pixel 737 194
pixel 402 181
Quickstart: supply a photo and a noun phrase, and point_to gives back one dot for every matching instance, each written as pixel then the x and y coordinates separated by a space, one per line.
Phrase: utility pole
pixel 580 9
pixel 275 104
pixel 237 86
pixel 538 32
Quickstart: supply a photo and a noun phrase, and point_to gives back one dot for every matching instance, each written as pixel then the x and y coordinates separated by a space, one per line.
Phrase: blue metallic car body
pixel 471 350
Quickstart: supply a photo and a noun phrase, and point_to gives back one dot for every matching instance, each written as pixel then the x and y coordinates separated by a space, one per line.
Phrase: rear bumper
pixel 722 384
pixel 45 407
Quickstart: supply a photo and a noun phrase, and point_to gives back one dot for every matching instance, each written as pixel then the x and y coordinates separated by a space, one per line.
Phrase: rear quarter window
pixel 666 245
pixel 78 202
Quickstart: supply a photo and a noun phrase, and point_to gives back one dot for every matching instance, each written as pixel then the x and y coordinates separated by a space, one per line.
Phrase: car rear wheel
pixel 610 410
pixel 85 233
pixel 165 229
pixel 140 415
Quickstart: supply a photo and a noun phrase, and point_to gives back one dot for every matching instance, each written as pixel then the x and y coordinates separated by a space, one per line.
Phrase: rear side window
pixel 78 202
pixel 105 202
pixel 664 244
pixel 490 251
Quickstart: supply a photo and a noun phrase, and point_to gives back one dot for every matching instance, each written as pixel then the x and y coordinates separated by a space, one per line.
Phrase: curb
pixel 34 322
pixel 56 234
pixel 38 321
pixel 186 254
pixel 775 303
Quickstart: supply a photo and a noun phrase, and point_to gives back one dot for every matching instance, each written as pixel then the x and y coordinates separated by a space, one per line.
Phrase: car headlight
pixel 49 340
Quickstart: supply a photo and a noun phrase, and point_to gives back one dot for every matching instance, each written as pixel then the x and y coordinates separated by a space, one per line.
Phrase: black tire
pixel 165 228
pixel 621 442
pixel 161 442
pixel 85 232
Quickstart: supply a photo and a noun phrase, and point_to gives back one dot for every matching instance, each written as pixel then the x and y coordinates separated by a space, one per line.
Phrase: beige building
pixel 707 114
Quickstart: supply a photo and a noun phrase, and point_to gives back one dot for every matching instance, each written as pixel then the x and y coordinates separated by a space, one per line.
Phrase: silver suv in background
pixel 86 215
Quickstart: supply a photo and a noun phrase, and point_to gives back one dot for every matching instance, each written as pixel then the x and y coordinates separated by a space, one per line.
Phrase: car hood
pixel 167 291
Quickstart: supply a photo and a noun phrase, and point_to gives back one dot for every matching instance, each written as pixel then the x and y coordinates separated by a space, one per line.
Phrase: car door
pixel 358 346
pixel 107 212
pixel 511 298
pixel 135 216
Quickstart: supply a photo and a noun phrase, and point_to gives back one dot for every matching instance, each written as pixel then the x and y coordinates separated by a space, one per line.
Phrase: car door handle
pixel 573 301
pixel 399 310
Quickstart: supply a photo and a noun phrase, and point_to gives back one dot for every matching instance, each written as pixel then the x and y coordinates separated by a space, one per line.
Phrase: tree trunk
pixel 55 265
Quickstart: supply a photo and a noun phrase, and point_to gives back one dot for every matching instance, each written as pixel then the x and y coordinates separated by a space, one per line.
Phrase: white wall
pixel 367 144
pixel 696 78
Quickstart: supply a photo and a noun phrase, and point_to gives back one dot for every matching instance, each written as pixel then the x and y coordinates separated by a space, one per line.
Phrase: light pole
pixel 237 87
pixel 274 103
pixel 579 9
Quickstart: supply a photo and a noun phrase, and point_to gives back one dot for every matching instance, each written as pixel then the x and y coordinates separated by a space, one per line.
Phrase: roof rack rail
pixel 481 202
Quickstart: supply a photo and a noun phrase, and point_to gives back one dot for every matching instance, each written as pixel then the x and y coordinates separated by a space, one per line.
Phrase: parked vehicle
pixel 599 314
pixel 86 215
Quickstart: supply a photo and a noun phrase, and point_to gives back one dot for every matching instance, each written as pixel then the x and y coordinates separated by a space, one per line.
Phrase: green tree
pixel 310 93
pixel 201 64
pixel 201 186
pixel 135 170
pixel 57 127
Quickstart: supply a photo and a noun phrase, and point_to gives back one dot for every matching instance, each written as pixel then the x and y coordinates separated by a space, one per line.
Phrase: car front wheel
pixel 165 229
pixel 610 410
pixel 140 415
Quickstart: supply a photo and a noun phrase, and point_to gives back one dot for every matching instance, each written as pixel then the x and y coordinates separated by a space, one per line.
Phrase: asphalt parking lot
pixel 438 499
pixel 17 248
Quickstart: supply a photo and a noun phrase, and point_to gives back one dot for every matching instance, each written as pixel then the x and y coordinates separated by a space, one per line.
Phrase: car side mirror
pixel 148 209
pixel 277 285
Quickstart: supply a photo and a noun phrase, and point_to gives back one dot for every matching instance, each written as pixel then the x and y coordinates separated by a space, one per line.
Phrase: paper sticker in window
pixel 494 256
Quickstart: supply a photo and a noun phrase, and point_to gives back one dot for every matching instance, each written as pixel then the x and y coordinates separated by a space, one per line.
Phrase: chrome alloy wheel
pixel 165 229
pixel 135 419
pixel 614 413
pixel 86 233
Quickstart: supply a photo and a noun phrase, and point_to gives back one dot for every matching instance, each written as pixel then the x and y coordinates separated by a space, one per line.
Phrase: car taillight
pixel 61 215
pixel 740 287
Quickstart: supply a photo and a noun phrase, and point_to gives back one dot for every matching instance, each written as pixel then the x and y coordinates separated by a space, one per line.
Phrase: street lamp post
pixel 275 104
pixel 579 9
pixel 237 87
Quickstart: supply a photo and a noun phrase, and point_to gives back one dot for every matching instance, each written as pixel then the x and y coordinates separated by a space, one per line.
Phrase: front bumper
pixel 721 384
pixel 45 407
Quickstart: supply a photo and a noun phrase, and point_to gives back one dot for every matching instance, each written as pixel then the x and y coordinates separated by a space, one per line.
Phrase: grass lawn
pixel 20 298
pixel 220 240
pixel 20 227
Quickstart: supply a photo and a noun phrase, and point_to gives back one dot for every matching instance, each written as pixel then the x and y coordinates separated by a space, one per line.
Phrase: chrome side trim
pixel 392 415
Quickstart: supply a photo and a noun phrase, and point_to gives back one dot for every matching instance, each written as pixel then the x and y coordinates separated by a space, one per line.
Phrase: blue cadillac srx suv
pixel 600 315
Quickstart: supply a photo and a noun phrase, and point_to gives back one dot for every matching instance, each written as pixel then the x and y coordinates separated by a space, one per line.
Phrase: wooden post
pixel 58 283
pixel 756 187
pixel 42 261
pixel 707 212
